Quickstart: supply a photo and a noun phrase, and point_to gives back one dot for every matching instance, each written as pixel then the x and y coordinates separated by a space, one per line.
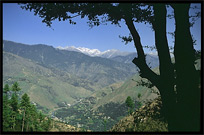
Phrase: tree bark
pixel 187 79
pixel 166 83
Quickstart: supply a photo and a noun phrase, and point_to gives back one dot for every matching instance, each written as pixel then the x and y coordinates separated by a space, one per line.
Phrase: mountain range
pixel 98 70
pixel 56 78
pixel 113 54
pixel 95 52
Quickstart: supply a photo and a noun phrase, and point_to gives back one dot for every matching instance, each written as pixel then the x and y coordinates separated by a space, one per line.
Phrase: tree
pixel 14 105
pixel 46 124
pixel 34 118
pixel 15 88
pixel 139 102
pixel 41 116
pixel 6 89
pixel 25 104
pixel 180 94
pixel 130 104
pixel 105 124
pixel 139 95
pixel 14 102
pixel 6 109
pixel 187 79
pixel 23 116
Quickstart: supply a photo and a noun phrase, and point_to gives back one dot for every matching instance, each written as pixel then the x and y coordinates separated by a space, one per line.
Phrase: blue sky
pixel 23 27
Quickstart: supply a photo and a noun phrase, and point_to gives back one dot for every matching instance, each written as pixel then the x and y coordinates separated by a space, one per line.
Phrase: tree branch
pixel 73 16
pixel 140 61
pixel 159 25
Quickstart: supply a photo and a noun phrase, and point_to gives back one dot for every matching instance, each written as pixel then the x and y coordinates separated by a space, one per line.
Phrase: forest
pixel 19 114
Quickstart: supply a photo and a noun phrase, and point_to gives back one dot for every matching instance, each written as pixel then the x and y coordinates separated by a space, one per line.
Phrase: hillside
pixel 145 119
pixel 100 71
pixel 105 104
pixel 58 126
pixel 128 88
pixel 46 87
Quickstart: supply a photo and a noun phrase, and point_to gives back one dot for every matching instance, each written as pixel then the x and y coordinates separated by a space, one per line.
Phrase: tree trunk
pixel 180 108
pixel 14 123
pixel 23 120
pixel 27 125
pixel 187 79
pixel 166 82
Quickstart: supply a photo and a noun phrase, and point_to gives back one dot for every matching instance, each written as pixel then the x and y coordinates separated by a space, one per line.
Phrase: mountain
pixel 47 87
pixel 152 60
pixel 95 52
pixel 113 54
pixel 75 87
pixel 99 71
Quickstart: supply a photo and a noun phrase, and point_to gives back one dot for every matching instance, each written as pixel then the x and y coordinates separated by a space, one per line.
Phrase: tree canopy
pixel 20 115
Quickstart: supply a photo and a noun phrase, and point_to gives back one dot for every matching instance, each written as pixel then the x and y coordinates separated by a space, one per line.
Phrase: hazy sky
pixel 23 27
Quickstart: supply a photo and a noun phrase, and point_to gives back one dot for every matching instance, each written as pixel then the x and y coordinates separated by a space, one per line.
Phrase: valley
pixel 83 91
pixel 101 67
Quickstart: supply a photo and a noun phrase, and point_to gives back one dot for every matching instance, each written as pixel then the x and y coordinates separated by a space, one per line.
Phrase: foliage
pixel 139 100
pixel 139 95
pixel 151 125
pixel 105 124
pixel 15 87
pixel 83 114
pixel 130 104
pixel 6 109
pixel 148 118
pixel 145 119
pixel 6 89
pixel 25 101
pixel 19 114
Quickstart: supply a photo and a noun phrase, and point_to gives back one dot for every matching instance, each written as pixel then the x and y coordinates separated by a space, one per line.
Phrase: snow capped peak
pixel 91 52
pixel 95 52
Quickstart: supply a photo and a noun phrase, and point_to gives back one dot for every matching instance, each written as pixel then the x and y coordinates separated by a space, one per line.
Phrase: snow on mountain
pixel 91 52
pixel 95 52
pixel 70 48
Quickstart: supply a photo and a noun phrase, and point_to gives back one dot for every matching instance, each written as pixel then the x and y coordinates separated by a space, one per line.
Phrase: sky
pixel 23 26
